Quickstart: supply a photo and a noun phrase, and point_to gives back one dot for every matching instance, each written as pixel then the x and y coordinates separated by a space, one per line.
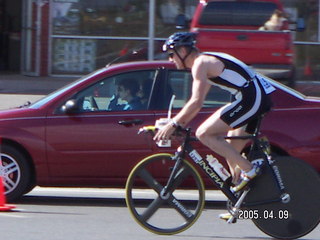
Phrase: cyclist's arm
pixel 200 88
pixel 203 67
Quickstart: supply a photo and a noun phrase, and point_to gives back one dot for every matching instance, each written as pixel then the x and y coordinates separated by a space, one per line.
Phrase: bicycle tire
pixel 301 182
pixel 152 212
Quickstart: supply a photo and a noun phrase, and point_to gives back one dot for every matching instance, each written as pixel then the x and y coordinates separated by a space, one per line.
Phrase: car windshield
pixel 237 13
pixel 48 98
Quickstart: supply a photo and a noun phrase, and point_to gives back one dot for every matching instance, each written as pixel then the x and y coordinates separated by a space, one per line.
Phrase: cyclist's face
pixel 173 57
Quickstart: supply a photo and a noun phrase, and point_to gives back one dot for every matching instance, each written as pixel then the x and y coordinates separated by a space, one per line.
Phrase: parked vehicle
pixel 72 137
pixel 233 27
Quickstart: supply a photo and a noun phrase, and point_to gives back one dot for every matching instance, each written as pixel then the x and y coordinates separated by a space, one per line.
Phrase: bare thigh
pixel 214 125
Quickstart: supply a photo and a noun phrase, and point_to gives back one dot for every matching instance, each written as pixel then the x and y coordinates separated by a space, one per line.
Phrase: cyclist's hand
pixel 164 133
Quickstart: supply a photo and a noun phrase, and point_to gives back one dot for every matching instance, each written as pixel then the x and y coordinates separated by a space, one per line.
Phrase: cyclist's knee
pixel 205 136
pixel 201 133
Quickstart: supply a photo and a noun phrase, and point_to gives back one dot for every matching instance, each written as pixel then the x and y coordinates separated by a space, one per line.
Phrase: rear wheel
pixel 148 204
pixel 298 213
pixel 15 172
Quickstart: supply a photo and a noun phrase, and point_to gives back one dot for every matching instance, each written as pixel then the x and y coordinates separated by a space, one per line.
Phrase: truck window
pixel 237 13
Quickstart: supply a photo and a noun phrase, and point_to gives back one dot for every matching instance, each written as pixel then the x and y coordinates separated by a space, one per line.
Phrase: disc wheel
pixel 169 213
pixel 298 213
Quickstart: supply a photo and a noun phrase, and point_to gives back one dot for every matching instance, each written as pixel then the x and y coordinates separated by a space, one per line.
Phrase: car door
pixel 97 143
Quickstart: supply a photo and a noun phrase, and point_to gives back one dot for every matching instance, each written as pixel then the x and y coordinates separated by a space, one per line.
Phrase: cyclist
pixel 250 99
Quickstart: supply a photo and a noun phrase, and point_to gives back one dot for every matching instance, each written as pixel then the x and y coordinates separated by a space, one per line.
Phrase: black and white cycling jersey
pixel 250 91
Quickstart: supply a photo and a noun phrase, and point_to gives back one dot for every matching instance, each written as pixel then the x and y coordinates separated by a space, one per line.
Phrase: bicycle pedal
pixel 228 217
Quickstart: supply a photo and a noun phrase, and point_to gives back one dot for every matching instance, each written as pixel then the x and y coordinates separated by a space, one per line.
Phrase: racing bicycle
pixel 283 201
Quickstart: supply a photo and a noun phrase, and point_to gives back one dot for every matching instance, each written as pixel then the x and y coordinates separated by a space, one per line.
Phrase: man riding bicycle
pixel 250 99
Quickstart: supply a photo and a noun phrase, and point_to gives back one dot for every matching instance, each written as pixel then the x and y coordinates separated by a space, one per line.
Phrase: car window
pixel 237 13
pixel 180 84
pixel 122 92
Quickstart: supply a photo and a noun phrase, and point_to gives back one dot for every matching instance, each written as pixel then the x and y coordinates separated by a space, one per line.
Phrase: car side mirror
pixel 70 107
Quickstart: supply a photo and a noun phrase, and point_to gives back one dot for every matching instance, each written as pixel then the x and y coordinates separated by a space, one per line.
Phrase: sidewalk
pixel 13 83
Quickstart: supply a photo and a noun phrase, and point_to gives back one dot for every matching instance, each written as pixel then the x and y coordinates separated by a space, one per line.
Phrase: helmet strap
pixel 185 57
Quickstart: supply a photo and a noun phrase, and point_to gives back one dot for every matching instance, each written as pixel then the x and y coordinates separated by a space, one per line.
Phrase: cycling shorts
pixel 249 103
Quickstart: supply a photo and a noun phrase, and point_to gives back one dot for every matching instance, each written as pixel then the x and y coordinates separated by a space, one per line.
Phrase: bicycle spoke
pixel 179 178
pixel 149 179
pixel 151 209
pixel 177 205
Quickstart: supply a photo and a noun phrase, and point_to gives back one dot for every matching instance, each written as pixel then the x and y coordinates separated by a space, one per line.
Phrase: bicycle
pixel 282 202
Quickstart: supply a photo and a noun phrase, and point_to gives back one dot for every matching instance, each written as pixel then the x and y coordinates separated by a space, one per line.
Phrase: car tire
pixel 15 171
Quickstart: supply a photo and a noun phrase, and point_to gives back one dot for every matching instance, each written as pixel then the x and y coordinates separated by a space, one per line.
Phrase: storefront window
pixel 88 34
pixel 79 56
pixel 167 13
pixel 100 18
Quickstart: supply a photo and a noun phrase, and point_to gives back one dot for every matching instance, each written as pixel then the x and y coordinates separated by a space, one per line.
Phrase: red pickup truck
pixel 232 26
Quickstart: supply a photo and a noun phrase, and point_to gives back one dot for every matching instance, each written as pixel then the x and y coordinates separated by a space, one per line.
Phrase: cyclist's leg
pixel 211 133
pixel 238 145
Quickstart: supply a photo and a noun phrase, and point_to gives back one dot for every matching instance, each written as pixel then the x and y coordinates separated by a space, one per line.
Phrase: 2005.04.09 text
pixel 265 214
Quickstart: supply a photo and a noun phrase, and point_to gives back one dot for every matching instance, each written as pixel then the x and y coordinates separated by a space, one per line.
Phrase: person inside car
pixel 250 100
pixel 127 91
pixel 144 92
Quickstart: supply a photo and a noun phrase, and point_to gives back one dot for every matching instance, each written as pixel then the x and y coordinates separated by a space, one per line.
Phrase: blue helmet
pixel 179 39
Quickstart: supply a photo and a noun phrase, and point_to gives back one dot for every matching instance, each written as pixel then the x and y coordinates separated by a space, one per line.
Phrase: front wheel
pixel 163 212
pixel 15 172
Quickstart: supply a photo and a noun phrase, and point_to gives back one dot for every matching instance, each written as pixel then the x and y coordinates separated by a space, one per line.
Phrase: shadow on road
pixel 91 201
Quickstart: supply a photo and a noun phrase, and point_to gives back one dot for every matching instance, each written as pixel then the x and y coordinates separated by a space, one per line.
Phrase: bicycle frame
pixel 256 150
pixel 272 211
pixel 186 148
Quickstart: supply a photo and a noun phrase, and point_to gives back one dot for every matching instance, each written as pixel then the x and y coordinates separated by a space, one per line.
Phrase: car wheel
pixel 15 172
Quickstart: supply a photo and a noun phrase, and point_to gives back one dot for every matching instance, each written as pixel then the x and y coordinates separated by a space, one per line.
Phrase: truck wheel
pixel 15 172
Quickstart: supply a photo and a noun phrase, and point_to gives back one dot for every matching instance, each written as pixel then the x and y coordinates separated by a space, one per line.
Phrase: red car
pixel 81 135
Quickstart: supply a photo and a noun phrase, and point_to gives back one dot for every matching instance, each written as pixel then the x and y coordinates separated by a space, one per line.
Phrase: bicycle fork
pixel 166 191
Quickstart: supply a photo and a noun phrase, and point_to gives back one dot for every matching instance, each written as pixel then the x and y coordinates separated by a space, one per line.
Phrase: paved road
pixel 100 214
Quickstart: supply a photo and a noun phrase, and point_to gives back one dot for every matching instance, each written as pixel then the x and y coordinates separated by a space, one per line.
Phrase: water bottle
pixel 217 166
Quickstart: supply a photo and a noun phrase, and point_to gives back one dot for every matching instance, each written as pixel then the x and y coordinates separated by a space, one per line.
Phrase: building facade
pixel 74 37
